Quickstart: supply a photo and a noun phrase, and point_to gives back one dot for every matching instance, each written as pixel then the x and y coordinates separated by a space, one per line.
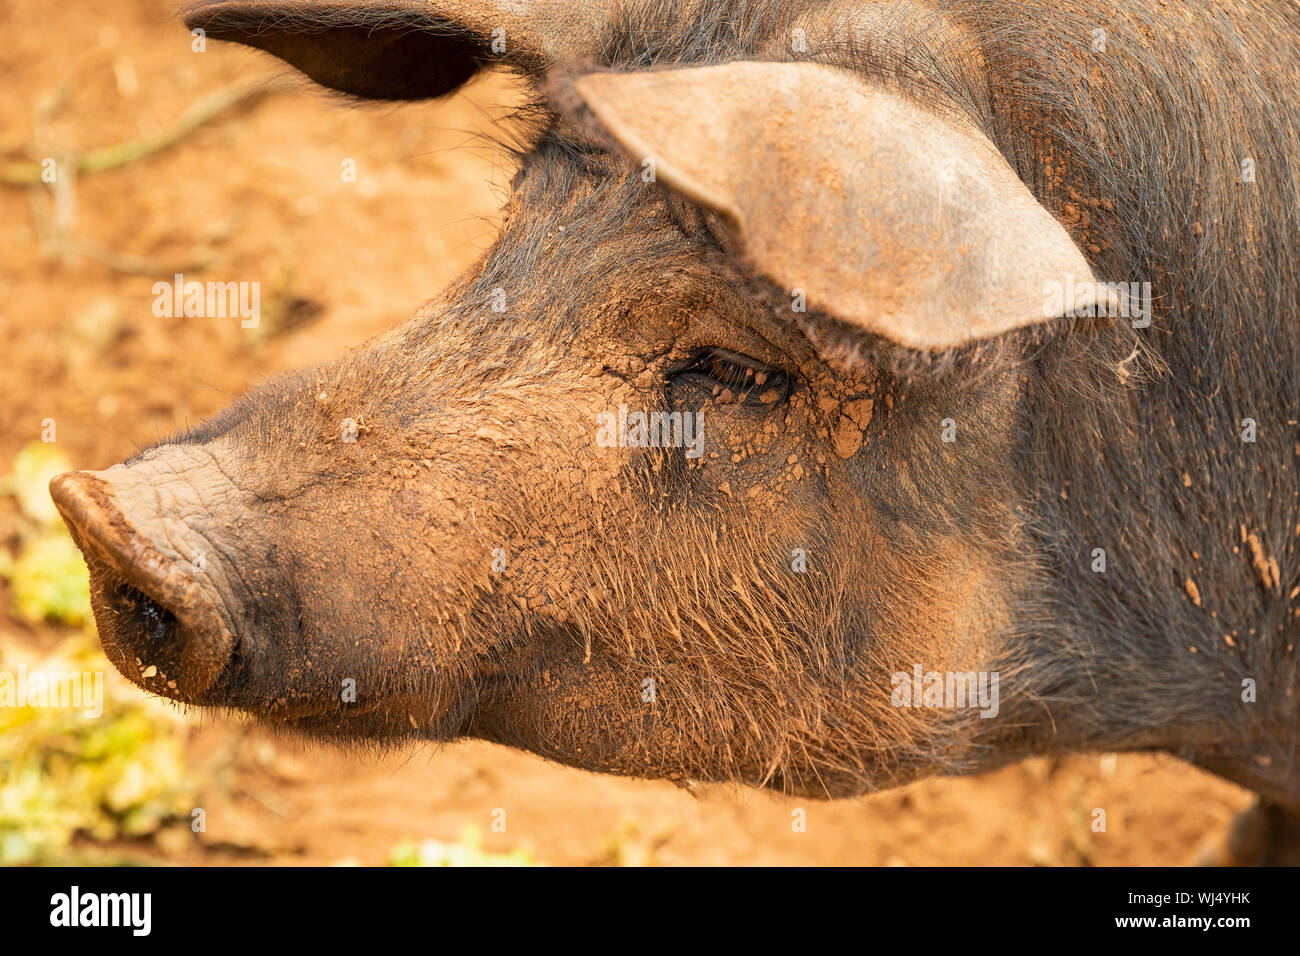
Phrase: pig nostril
pixel 159 624
pixel 160 620
pixel 156 644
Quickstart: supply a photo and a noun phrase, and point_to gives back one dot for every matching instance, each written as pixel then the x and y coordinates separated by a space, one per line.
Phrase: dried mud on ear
pixel 900 220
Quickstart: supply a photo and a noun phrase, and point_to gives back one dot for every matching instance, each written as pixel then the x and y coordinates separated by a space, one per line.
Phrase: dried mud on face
pixel 257 193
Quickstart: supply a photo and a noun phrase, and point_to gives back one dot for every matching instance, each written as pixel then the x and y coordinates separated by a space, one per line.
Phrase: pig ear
pixel 894 219
pixel 401 49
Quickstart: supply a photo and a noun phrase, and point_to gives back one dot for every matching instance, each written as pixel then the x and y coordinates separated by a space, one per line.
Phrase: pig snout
pixel 152 589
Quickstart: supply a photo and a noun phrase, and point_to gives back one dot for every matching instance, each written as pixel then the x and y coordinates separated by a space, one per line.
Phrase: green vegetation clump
pixel 468 851
pixel 64 773
pixel 50 582
pixel 48 578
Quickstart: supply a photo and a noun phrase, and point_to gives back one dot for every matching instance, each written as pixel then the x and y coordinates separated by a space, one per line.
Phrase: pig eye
pixel 746 380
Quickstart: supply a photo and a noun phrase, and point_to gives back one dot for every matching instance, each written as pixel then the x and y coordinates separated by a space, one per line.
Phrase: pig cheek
pixel 952 616
pixel 932 598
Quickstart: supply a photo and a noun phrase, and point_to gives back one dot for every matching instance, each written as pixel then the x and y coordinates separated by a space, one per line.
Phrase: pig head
pixel 812 364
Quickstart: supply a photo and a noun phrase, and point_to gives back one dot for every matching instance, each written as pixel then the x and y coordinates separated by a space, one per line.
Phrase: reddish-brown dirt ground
pixel 258 195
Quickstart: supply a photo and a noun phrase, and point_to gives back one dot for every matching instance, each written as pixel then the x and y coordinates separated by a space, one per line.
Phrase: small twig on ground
pixel 120 154
pixel 139 265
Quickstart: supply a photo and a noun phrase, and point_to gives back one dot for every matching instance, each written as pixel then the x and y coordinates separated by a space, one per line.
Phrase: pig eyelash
pixel 747 378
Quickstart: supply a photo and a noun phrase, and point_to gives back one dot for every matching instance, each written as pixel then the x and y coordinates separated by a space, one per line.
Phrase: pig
pixel 855 392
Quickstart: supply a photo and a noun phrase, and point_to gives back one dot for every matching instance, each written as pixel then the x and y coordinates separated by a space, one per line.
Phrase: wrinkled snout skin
pixel 147 524
pixel 430 537
pixel 196 561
